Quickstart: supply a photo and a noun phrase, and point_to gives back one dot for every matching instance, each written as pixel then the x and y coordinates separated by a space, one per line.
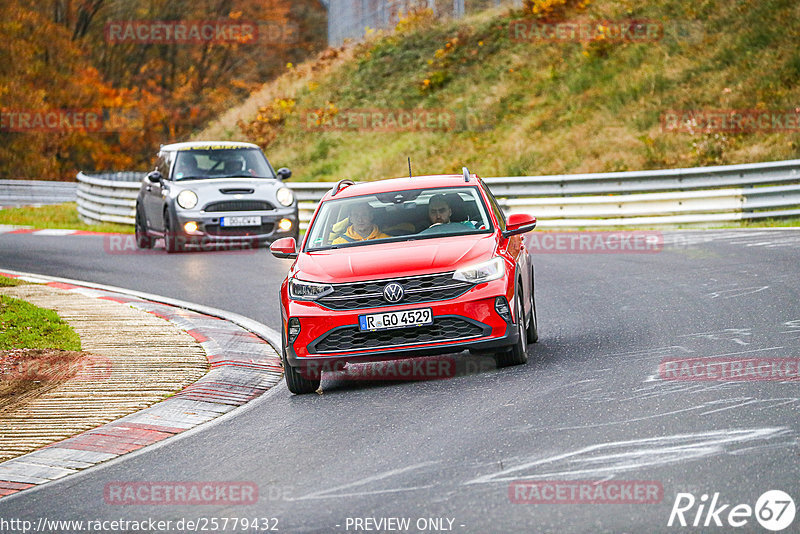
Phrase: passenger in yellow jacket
pixel 362 227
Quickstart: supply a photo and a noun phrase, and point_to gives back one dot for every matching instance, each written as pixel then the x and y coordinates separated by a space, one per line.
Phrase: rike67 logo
pixel 774 510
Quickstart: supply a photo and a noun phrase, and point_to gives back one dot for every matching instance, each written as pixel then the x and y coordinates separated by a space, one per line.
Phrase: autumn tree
pixel 57 55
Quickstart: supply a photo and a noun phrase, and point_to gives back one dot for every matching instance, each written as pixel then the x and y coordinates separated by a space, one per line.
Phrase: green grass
pixel 25 326
pixel 57 216
pixel 524 108
pixel 5 281
pixel 788 222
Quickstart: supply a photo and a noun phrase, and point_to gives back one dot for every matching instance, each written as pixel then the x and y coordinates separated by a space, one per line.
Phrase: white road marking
pixel 54 232
pixel 328 493
pixel 610 458
pixel 733 293
pixel 772 404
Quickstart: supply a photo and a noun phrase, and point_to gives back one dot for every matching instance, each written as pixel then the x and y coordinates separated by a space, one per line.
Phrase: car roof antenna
pixel 466 173
pixel 409 168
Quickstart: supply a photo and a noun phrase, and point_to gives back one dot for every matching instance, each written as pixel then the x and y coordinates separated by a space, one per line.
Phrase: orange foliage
pixel 63 64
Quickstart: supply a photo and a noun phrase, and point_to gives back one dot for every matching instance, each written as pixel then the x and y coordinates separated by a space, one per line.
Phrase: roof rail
pixel 466 173
pixel 341 185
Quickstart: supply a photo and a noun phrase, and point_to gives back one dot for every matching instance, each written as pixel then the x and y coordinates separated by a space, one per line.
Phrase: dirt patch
pixel 28 373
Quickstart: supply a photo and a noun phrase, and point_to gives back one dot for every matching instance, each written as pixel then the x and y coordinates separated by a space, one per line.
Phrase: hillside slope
pixel 520 106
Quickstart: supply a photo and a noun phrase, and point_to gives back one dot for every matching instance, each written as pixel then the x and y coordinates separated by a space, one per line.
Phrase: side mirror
pixel 154 176
pixel 284 173
pixel 285 247
pixel 519 223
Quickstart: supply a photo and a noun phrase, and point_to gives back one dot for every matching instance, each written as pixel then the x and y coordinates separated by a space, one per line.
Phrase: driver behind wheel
pixel 439 210
pixel 362 227
pixel 187 167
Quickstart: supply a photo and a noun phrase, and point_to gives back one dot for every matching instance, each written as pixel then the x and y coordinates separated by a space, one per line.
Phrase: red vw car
pixel 403 268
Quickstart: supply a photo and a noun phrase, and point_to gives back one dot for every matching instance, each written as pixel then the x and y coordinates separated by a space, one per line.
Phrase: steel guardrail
pixel 108 197
pixel 15 193
pixel 635 198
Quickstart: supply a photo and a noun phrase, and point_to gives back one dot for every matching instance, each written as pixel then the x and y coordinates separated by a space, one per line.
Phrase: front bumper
pixel 210 230
pixel 470 321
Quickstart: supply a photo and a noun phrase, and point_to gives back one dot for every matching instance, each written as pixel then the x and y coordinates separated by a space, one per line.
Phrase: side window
pixel 498 212
pixel 163 164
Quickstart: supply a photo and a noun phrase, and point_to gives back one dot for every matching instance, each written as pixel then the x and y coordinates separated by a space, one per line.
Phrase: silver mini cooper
pixel 213 193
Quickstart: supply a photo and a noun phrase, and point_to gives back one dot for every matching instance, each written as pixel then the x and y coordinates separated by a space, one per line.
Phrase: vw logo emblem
pixel 393 292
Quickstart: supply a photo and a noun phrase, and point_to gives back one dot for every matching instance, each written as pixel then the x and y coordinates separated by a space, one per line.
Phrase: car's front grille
pixel 350 338
pixel 238 231
pixel 417 289
pixel 239 205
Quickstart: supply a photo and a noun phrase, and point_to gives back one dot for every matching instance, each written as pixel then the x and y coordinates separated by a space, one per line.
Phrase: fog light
pixel 294 329
pixel 501 305
pixel 285 225
pixel 190 227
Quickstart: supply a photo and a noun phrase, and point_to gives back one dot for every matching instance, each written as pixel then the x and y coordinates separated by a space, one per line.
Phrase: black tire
pixel 517 354
pixel 171 237
pixel 295 381
pixel 143 240
pixel 533 326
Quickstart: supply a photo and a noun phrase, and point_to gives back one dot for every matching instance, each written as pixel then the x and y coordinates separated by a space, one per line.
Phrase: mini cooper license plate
pixel 240 221
pixel 401 319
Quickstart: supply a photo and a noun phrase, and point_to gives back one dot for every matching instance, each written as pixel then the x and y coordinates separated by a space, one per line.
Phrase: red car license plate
pixel 399 319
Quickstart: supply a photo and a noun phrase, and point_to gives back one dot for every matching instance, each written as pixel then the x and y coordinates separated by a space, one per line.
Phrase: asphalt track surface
pixel 589 405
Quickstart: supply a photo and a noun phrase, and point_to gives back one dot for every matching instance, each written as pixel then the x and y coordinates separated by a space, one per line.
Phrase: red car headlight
pixel 301 290
pixel 482 272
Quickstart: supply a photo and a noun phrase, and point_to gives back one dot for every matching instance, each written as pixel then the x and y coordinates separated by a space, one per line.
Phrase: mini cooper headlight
pixel 187 199
pixel 301 290
pixel 482 272
pixel 285 196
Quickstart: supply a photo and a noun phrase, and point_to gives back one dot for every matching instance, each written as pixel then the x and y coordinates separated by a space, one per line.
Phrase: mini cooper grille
pixel 417 289
pixel 216 230
pixel 443 329
pixel 239 205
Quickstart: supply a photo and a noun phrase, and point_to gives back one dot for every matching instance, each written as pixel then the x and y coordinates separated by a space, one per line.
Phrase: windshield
pixel 194 163
pixel 398 216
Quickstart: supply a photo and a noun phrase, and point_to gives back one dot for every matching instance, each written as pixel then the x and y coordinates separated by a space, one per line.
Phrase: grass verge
pixel 25 326
pixel 789 222
pixel 38 350
pixel 57 216
pixel 5 281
